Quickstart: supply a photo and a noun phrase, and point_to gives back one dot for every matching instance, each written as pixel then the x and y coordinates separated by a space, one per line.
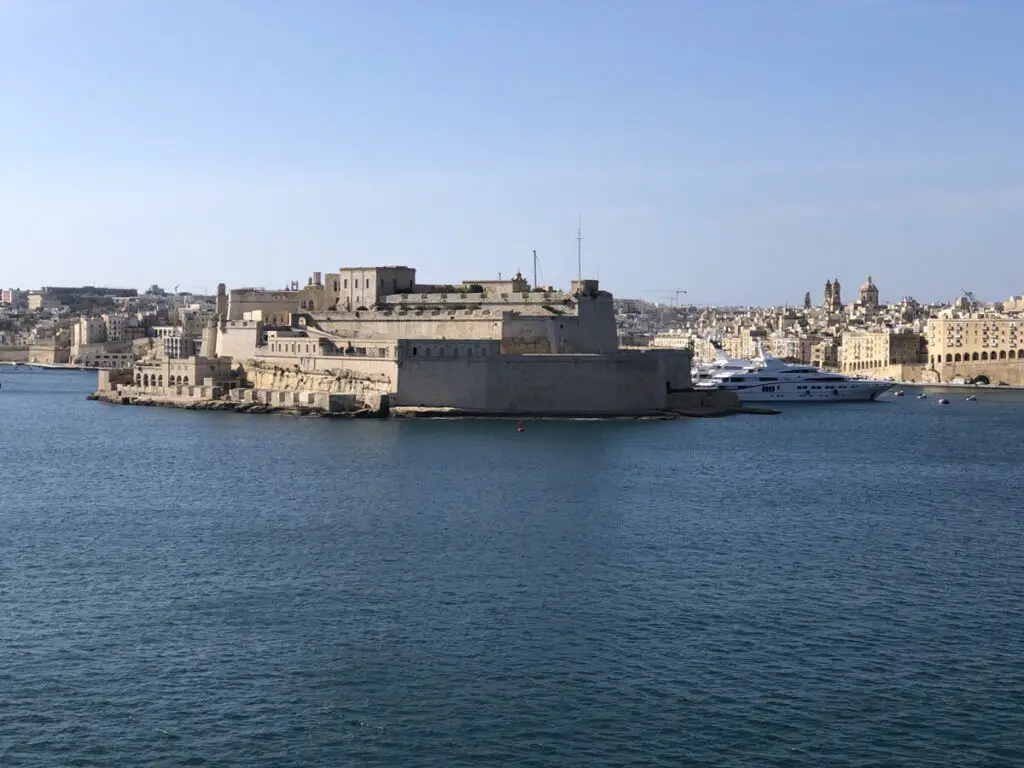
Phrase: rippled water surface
pixel 833 586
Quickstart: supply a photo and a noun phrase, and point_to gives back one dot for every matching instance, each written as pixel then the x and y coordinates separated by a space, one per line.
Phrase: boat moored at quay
pixel 769 379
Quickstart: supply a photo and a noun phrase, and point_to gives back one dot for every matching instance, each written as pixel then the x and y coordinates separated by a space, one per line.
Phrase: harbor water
pixel 832 586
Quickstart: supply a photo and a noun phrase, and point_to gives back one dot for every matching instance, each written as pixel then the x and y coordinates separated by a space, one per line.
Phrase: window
pixel 346 283
pixel 415 351
pixel 367 281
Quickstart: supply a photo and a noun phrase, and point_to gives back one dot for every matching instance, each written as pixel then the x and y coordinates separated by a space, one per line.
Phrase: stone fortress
pixel 373 337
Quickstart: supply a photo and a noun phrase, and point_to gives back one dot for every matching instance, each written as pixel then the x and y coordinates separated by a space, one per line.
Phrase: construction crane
pixel 676 293
pixel 970 296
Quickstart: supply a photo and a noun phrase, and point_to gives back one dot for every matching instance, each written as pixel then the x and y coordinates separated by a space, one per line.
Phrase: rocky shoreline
pixel 114 398
pixel 191 404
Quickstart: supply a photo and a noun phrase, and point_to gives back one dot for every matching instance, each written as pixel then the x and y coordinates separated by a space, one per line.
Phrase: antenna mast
pixel 579 254
pixel 534 267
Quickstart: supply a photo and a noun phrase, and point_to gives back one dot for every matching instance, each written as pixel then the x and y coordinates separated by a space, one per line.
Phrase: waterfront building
pixel 864 351
pixel 975 339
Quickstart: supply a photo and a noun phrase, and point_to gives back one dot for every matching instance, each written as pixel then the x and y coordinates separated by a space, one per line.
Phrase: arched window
pixel 949 358
pixel 160 380
pixel 984 355
pixel 185 382
pixel 1013 354
pixel 1002 354
pixel 956 358
pixel 974 357
pixel 145 380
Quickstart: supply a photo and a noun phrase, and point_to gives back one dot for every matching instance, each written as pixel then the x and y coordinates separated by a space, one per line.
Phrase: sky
pixel 741 150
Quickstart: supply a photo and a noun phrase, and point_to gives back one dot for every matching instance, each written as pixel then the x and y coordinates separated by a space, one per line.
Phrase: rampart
pixel 624 383
pixel 14 354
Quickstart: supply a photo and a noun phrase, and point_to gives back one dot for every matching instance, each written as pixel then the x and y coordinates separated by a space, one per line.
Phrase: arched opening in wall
pixel 974 357
pixel 1013 354
pixel 177 381
pixel 160 380
pixel 956 358
pixel 1002 354
pixel 982 379
pixel 949 358
pixel 984 355
pixel 145 380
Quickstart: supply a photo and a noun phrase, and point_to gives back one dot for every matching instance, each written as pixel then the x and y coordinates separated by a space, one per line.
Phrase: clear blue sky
pixel 743 151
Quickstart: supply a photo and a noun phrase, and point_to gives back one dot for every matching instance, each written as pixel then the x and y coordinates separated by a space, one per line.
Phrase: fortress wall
pixel 14 354
pixel 239 339
pixel 1009 371
pixel 376 325
pixel 366 379
pixel 581 385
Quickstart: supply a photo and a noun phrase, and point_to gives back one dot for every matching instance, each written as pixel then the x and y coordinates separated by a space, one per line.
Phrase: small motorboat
pixel 520 427
pixel 922 396
pixel 898 393
pixel 971 399
pixel 943 401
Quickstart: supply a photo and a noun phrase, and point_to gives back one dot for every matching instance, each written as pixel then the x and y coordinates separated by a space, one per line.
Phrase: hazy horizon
pixel 742 151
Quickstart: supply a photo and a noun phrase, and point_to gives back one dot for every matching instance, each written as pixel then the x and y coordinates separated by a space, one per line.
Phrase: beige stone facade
pixel 863 351
pixel 974 339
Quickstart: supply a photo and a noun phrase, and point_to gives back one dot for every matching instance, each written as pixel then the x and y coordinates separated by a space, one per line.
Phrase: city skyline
pixel 729 151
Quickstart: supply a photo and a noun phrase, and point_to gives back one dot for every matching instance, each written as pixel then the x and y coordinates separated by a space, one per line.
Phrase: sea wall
pixel 621 384
pixel 1007 371
pixel 14 354
pixel 366 380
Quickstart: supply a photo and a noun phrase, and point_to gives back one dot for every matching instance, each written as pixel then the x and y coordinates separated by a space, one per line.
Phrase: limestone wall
pixel 14 354
pixel 1010 372
pixel 239 339
pixel 583 385
pixel 367 380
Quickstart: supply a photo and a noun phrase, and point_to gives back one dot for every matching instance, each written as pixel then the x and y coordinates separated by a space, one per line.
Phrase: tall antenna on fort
pixel 534 267
pixel 579 253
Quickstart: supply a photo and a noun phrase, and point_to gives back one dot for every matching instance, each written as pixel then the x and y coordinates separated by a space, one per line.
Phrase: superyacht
pixel 705 372
pixel 769 379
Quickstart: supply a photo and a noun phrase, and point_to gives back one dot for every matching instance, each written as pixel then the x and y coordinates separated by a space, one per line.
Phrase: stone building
pixel 864 351
pixel 482 346
pixel 974 339
pixel 833 301
pixel 869 295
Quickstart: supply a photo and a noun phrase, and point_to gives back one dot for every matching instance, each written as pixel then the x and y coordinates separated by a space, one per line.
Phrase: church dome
pixel 869 287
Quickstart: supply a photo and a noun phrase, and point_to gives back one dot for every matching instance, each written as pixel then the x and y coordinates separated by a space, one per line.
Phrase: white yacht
pixel 705 372
pixel 771 380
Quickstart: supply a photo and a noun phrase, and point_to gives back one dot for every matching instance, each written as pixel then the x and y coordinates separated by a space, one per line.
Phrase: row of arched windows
pixel 975 357
pixel 157 380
